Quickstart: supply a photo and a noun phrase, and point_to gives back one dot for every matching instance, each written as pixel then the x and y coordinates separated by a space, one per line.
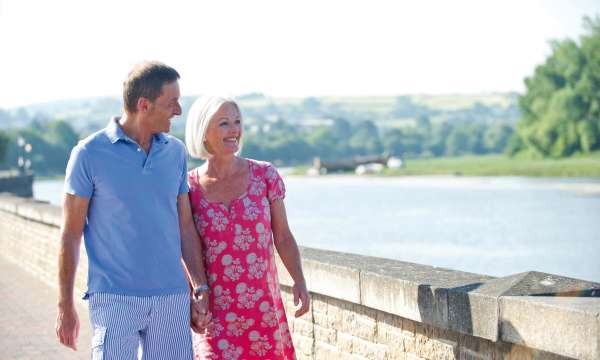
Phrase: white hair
pixel 199 116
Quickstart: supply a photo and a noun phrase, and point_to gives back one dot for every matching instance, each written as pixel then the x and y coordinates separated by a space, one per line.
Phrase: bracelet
pixel 201 289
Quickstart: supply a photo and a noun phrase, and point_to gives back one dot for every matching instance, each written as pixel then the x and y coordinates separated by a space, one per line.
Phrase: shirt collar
pixel 161 138
pixel 114 132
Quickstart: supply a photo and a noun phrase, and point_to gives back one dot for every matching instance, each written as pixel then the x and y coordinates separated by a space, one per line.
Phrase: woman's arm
pixel 290 255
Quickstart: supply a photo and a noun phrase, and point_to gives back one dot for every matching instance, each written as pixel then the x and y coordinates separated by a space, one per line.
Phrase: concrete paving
pixel 27 319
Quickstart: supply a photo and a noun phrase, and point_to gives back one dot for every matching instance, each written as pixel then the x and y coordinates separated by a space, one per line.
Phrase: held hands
pixel 200 316
pixel 301 295
pixel 67 326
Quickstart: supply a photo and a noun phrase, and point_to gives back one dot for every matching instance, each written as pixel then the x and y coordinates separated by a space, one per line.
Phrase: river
pixel 490 225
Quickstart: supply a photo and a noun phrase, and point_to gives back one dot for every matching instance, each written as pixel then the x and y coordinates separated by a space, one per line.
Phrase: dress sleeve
pixel 275 185
pixel 192 182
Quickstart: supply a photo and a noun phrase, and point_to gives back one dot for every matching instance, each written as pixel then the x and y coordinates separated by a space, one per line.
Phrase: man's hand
pixel 200 316
pixel 67 326
pixel 301 295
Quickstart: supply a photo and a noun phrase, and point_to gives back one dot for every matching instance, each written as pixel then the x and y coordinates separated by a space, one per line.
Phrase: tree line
pixel 285 143
pixel 561 106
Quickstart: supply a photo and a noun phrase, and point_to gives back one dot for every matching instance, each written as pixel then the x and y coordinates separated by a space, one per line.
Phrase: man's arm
pixel 191 251
pixel 74 214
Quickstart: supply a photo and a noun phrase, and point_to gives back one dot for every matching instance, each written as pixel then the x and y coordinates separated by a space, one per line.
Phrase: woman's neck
pixel 222 167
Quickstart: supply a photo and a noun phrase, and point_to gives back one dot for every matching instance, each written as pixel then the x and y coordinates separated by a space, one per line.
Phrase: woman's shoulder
pixel 260 164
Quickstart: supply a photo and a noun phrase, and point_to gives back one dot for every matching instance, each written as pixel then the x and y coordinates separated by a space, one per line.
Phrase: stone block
pixel 327 335
pixel 389 330
pixel 328 351
pixel 344 342
pixel 471 347
pixel 566 326
pixel 368 349
pixel 328 273
pixel 445 349
pixel 303 344
pixel 303 327
pixel 473 313
pixel 412 291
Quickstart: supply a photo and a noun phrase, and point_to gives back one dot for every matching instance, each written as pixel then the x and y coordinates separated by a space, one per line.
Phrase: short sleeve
pixel 78 175
pixel 275 185
pixel 183 178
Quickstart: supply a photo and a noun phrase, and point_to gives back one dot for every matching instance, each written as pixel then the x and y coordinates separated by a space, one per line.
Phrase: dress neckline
pixel 237 198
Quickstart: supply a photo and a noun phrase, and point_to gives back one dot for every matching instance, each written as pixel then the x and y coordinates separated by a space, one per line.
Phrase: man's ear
pixel 143 104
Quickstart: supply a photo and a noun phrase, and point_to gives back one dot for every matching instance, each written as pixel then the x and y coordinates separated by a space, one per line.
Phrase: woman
pixel 239 212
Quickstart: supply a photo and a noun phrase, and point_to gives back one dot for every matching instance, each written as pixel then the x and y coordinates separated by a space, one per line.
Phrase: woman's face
pixel 224 131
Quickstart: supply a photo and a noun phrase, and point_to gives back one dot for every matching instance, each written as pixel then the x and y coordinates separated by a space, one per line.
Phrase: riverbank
pixel 586 166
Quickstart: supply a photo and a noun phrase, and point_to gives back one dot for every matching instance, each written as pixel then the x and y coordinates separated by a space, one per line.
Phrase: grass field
pixel 500 165
pixel 495 165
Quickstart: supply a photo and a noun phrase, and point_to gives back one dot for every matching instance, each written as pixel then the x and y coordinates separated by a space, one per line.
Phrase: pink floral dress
pixel 249 320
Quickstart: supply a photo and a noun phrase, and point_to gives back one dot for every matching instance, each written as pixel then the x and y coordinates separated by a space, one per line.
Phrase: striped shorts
pixel 157 326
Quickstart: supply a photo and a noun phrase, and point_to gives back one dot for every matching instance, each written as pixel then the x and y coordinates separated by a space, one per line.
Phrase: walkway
pixel 27 317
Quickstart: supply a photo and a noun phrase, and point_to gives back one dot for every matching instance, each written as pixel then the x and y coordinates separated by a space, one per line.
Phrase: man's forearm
pixel 191 249
pixel 68 259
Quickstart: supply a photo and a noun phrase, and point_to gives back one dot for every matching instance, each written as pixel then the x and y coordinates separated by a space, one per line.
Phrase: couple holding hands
pixel 168 247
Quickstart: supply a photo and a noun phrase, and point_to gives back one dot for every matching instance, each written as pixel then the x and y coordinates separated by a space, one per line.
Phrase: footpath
pixel 27 319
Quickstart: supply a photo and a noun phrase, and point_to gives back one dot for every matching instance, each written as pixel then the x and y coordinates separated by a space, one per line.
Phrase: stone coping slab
pixel 464 302
pixel 568 326
pixel 32 209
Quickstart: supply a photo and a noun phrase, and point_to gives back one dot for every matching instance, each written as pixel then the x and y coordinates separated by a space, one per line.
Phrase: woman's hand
pixel 200 316
pixel 301 295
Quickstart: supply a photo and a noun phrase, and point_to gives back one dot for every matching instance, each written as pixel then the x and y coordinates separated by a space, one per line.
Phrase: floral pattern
pixel 249 320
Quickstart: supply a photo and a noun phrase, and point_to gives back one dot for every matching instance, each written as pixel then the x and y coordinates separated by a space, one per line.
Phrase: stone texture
pixel 413 291
pixel 567 326
pixel 544 284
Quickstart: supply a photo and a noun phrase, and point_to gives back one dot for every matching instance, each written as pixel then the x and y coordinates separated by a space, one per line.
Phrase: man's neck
pixel 133 127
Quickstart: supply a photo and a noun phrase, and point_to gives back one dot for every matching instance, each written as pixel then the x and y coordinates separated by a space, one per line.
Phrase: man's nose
pixel 177 110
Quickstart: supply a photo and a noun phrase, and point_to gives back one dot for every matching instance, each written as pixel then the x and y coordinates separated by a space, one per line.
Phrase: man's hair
pixel 146 80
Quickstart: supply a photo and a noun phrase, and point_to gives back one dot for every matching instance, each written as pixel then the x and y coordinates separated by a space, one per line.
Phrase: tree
pixel 496 137
pixel 393 142
pixel 365 139
pixel 561 106
pixel 61 134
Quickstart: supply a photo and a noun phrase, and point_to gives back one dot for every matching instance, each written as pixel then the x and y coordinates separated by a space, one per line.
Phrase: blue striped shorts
pixel 158 326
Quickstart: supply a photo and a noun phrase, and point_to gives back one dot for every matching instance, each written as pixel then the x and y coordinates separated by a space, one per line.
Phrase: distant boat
pixel 350 164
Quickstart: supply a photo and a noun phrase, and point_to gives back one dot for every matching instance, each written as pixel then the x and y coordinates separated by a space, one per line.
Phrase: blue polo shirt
pixel 132 228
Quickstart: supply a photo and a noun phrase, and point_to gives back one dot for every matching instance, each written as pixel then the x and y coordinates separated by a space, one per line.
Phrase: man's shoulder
pixel 93 141
pixel 174 142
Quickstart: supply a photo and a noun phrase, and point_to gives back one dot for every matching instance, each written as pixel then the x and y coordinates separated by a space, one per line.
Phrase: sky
pixel 62 49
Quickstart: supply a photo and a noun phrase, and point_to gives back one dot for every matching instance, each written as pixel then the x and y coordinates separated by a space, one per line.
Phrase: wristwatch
pixel 199 290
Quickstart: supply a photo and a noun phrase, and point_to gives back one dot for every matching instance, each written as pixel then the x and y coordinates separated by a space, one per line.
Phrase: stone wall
pixel 373 308
pixel 16 183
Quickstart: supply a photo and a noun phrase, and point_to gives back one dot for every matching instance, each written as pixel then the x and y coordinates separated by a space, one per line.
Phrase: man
pixel 126 192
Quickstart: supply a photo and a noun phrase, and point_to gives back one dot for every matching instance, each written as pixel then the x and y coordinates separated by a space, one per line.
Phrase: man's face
pixel 164 108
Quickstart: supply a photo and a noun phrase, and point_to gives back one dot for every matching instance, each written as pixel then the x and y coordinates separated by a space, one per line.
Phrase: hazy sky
pixel 69 49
